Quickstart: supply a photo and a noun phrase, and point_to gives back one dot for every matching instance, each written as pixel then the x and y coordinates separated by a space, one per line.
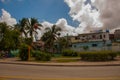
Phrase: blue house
pixel 91 41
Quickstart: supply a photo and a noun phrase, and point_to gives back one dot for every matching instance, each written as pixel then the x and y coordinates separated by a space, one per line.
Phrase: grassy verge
pixel 67 60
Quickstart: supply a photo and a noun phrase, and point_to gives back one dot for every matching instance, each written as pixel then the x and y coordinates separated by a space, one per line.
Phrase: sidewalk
pixel 70 64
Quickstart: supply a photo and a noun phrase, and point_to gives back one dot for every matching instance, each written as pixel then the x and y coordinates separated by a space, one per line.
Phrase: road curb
pixel 60 65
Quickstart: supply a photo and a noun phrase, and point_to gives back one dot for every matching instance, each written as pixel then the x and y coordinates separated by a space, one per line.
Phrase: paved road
pixel 31 71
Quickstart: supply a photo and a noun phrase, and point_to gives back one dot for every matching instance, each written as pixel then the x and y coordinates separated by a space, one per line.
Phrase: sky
pixel 43 10
pixel 72 16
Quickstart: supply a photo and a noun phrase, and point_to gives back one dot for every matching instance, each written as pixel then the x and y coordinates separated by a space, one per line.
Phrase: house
pixel 38 45
pixel 91 41
pixel 117 35
pixel 116 42
pixel 112 37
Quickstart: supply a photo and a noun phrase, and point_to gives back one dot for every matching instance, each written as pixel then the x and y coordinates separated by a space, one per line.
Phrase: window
pixel 100 36
pixel 93 36
pixel 70 45
pixel 76 38
pixel 94 45
pixel 74 46
pixel 104 36
pixel 83 36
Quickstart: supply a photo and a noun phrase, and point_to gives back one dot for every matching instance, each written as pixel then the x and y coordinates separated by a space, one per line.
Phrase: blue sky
pixel 44 10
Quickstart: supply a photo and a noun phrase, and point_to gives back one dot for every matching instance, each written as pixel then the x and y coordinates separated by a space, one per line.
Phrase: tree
pixel 3 29
pixel 63 43
pixel 32 25
pixel 10 39
pixel 50 36
pixel 22 26
pixel 29 27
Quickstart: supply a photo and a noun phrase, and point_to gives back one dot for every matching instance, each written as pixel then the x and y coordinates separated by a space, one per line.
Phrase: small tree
pixel 24 52
pixel 50 36
pixel 10 38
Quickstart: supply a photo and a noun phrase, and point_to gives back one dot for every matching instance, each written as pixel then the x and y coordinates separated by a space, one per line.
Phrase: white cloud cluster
pixel 61 23
pixel 6 17
pixel 66 29
pixel 85 14
pixel 109 13
pixel 96 14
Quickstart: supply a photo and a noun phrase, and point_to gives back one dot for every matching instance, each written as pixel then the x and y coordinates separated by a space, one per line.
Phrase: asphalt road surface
pixel 31 71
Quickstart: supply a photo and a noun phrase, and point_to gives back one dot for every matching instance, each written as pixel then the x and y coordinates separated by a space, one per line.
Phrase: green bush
pixel 98 56
pixel 69 53
pixel 85 47
pixel 33 53
pixel 119 53
pixel 23 52
pixel 14 53
pixel 1 55
pixel 41 56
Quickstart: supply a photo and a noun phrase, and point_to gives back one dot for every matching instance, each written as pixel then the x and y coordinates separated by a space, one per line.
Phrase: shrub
pixel 33 53
pixel 85 47
pixel 119 53
pixel 14 53
pixel 70 53
pixel 2 55
pixel 23 52
pixel 42 56
pixel 98 56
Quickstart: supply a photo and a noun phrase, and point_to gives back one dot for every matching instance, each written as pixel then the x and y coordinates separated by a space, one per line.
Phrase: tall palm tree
pixel 22 26
pixel 50 36
pixel 32 25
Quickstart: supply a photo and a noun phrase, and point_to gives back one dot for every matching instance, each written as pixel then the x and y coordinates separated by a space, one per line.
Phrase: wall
pixel 92 46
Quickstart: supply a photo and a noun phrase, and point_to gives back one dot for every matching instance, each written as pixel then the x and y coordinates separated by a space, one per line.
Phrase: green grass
pixel 65 60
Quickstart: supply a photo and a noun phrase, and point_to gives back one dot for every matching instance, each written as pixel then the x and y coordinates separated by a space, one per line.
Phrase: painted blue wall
pixel 98 44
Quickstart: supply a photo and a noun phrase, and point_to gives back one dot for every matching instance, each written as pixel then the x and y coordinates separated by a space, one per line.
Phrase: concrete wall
pixel 92 46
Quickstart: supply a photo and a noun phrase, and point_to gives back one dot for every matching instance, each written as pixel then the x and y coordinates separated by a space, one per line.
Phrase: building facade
pixel 117 35
pixel 91 41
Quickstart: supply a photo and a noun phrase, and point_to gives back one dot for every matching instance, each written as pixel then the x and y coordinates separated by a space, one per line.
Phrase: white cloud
pixel 61 23
pixel 104 15
pixel 66 29
pixel 3 1
pixel 109 13
pixel 83 13
pixel 6 17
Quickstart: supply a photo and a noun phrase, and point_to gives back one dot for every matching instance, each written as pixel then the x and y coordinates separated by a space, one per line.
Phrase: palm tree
pixel 32 25
pixel 22 26
pixel 50 36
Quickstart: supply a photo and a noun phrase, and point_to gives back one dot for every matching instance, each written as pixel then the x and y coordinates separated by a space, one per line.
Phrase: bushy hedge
pixel 119 53
pixel 23 52
pixel 41 56
pixel 98 56
pixel 69 53
pixel 2 55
